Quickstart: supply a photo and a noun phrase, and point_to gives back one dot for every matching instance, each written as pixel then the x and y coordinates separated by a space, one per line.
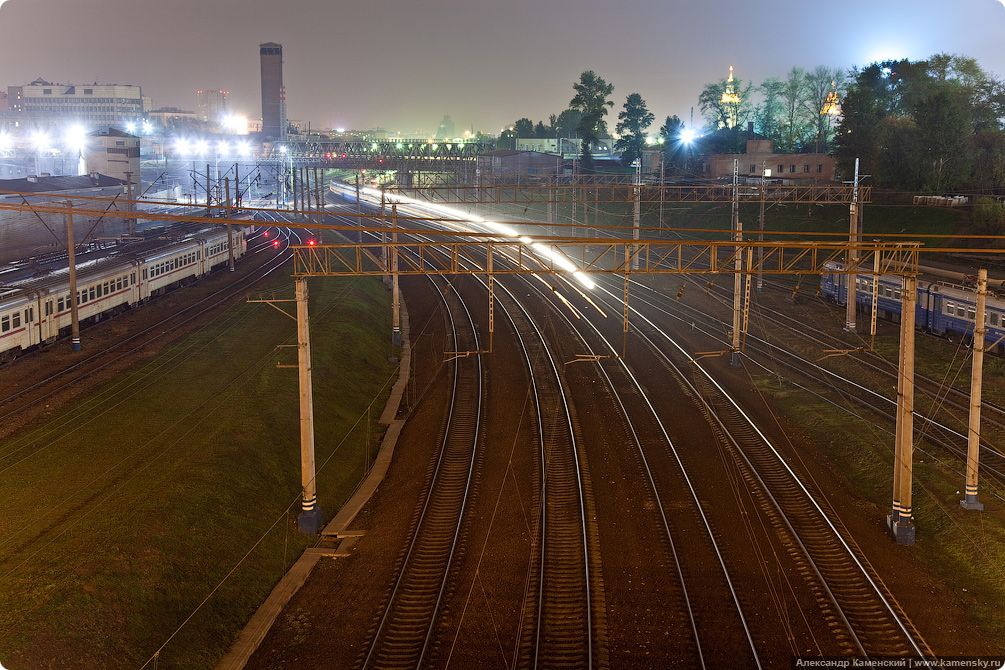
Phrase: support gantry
pixel 974 432
pixel 309 519
pixel 901 520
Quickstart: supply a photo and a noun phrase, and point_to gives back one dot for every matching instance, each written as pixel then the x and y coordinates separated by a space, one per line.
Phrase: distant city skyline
pixel 403 65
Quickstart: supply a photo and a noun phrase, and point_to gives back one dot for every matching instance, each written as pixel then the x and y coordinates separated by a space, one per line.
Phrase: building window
pixel 781 169
pixel 820 168
pixel 88 91
pixel 752 168
pixel 806 168
pixel 792 169
pixel 46 91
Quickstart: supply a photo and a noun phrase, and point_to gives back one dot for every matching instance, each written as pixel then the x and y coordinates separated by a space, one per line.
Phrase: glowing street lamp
pixel 76 140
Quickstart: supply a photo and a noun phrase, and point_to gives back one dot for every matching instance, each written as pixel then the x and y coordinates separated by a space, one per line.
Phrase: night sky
pixel 404 64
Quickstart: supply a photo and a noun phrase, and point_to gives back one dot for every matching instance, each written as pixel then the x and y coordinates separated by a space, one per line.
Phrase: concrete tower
pixel 273 91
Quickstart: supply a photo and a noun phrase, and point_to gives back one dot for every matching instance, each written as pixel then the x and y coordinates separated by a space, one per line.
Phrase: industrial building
pixel 273 91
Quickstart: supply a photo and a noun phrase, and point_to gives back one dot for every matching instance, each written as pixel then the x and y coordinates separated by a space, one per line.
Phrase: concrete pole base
pixel 76 344
pixel 902 533
pixel 970 502
pixel 734 359
pixel 396 338
pixel 309 521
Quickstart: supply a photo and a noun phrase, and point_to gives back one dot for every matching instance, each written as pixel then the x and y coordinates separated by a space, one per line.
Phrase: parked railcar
pixel 37 310
pixel 943 308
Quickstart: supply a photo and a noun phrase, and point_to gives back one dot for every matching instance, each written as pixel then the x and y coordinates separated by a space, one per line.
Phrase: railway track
pixel 867 620
pixel 940 409
pixel 558 628
pixel 406 628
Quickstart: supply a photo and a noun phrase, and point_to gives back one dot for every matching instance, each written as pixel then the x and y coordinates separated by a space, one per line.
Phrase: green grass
pixel 122 513
pixel 965 549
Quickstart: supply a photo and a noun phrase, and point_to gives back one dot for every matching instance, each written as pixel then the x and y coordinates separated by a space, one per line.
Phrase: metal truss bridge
pixel 364 154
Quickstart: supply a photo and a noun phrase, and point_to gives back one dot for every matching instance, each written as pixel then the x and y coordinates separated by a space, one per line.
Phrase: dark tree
pixel 674 146
pixel 633 120
pixel 565 124
pixel 591 101
pixel 524 127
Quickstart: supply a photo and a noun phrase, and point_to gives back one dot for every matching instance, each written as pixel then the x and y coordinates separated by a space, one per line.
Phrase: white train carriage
pixel 180 263
pixel 37 310
pixel 17 322
pixel 170 267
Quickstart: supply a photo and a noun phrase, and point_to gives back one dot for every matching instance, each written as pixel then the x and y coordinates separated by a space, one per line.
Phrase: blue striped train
pixel 36 310
pixel 946 308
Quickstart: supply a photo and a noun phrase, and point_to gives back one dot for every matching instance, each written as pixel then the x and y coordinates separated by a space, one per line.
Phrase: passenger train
pixel 945 308
pixel 37 310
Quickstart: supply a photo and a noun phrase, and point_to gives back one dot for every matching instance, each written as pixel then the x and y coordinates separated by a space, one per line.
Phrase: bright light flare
pixel 556 257
pixel 75 138
pixel 236 124
pixel 688 136
pixel 40 141
pixel 6 142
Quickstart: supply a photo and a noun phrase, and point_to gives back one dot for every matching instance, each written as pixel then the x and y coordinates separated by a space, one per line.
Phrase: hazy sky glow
pixel 403 64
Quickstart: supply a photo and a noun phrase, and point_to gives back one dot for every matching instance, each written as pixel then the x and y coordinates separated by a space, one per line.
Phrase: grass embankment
pixel 966 549
pixel 121 514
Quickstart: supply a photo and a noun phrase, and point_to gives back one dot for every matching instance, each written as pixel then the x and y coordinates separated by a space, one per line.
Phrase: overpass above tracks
pixel 364 154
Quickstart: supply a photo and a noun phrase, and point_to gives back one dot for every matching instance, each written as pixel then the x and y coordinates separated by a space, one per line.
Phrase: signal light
pixel 311 243
pixel 275 243
pixel 266 233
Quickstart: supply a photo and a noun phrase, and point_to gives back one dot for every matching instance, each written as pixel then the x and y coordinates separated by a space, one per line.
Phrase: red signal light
pixel 311 243
pixel 343 155
pixel 266 233
pixel 275 243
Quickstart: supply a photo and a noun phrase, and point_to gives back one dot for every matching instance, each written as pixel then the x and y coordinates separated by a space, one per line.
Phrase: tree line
pixel 934 125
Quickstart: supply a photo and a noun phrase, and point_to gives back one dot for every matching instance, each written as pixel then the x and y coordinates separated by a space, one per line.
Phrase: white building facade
pixel 43 104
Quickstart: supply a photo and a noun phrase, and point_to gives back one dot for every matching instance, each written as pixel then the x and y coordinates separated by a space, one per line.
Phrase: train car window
pixel 104 287
pixel 896 294
pixel 90 292
pixel 15 320
pixel 950 309
pixel 971 313
pixel 29 315
pixel 4 324
pixel 132 277
pixel 59 304
pixel 993 318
